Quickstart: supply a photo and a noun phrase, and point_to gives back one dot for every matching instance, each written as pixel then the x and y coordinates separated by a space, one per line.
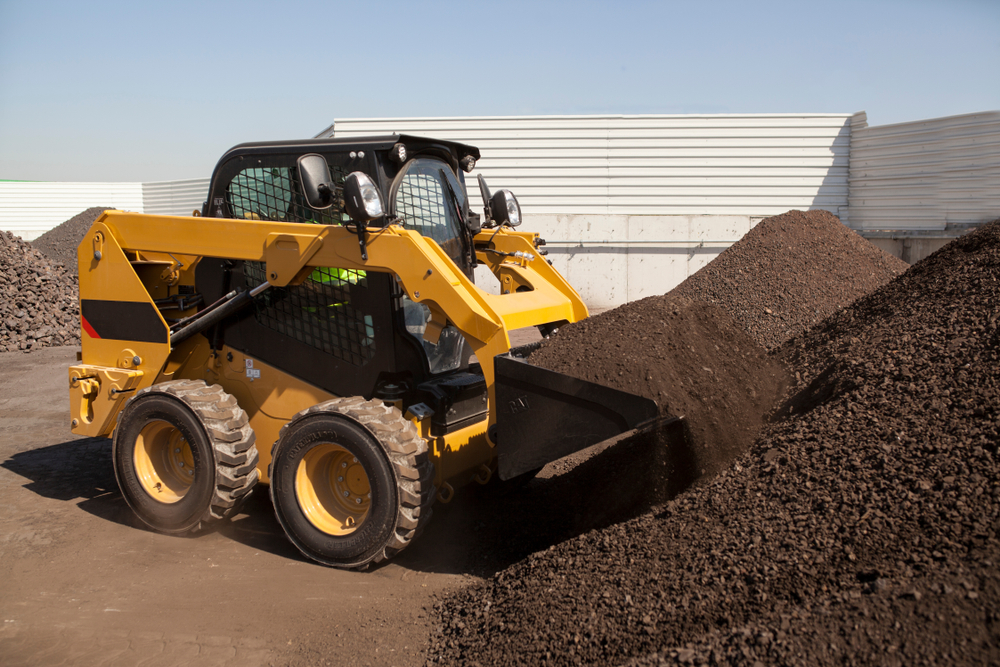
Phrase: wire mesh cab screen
pixel 274 193
pixel 321 312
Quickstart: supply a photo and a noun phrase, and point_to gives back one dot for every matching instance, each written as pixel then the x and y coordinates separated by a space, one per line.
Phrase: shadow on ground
pixel 481 531
pixel 486 529
pixel 78 471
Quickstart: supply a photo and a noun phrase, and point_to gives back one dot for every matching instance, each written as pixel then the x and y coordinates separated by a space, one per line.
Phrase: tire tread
pixel 407 452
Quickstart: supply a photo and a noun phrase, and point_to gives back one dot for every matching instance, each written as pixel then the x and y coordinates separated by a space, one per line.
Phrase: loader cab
pixel 350 332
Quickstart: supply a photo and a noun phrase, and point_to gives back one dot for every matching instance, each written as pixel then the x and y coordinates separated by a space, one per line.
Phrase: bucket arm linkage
pixel 428 275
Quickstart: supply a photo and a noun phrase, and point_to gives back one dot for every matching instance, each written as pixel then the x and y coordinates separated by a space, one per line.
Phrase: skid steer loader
pixel 312 329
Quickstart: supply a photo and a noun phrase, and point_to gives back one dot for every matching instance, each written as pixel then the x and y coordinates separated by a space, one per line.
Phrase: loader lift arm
pixel 425 272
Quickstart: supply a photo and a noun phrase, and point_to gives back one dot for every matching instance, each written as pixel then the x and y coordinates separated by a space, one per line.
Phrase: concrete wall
pixel 910 250
pixel 613 259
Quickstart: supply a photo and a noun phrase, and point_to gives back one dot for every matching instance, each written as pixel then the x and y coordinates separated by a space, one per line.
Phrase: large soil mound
pixel 60 243
pixel 689 357
pixel 38 300
pixel 790 272
pixel 862 529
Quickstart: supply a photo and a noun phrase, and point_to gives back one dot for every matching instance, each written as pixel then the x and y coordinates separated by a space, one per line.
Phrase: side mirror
pixel 362 199
pixel 317 184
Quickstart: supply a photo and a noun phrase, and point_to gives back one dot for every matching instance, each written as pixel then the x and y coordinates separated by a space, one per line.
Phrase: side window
pixel 274 193
pixel 261 194
pixel 319 312
pixel 322 311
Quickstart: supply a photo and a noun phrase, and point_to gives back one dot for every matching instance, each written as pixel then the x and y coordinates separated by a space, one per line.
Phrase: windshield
pixel 430 200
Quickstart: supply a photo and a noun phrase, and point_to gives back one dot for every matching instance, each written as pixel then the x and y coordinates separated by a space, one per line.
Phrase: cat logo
pixel 519 405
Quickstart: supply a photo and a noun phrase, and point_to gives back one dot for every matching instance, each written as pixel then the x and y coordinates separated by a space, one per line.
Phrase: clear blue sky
pixel 141 91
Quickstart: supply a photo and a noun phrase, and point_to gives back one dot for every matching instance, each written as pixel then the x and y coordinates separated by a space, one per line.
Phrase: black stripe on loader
pixel 124 320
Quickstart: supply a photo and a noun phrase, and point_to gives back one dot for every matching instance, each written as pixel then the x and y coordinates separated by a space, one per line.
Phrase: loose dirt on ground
pixel 862 528
pixel 693 360
pixel 85 584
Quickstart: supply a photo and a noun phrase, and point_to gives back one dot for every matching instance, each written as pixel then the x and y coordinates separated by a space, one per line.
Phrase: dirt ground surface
pixel 85 584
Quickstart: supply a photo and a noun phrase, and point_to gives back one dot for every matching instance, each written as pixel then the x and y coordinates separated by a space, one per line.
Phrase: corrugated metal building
pixel 174 197
pixel 29 209
pixel 632 205
pixel 915 186
pixel 748 165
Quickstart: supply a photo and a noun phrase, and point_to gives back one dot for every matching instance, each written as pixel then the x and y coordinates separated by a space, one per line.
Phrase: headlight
pixel 468 163
pixel 505 208
pixel 373 202
pixel 362 198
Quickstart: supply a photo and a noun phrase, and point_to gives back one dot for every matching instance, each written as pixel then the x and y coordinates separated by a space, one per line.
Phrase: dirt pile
pixel 790 272
pixel 689 357
pixel 862 529
pixel 59 244
pixel 38 300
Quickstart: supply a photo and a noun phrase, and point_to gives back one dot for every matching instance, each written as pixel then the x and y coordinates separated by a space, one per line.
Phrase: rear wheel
pixel 351 482
pixel 184 455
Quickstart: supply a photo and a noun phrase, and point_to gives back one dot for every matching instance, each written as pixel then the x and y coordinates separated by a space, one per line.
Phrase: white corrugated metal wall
pixel 174 197
pixel 750 165
pixel 632 205
pixel 926 175
pixel 30 209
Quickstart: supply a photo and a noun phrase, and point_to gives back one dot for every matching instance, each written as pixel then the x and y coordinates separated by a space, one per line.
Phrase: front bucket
pixel 543 416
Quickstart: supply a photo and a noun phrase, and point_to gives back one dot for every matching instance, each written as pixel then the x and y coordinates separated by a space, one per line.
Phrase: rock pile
pixel 39 304
pixel 861 529
pixel 60 243
pixel 790 272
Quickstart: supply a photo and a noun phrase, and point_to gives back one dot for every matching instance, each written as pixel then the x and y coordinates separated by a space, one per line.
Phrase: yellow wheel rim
pixel 163 462
pixel 333 490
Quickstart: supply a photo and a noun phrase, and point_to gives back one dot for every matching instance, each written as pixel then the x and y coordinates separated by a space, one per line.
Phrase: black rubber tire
pixel 395 459
pixel 221 443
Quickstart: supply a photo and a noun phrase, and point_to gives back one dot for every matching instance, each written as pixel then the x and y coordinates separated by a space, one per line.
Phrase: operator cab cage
pixel 351 332
pixel 367 154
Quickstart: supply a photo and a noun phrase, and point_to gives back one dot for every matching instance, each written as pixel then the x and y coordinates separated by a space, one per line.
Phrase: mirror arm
pixel 326 191
pixel 362 228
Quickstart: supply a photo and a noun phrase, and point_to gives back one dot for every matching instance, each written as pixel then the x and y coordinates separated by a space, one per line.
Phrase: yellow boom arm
pixel 290 251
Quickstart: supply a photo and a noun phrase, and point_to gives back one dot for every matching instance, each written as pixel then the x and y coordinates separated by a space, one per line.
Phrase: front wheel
pixel 184 455
pixel 351 482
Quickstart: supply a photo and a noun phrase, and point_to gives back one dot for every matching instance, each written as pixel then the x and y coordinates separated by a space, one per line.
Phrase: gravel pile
pixel 861 529
pixel 59 244
pixel 39 304
pixel 790 272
